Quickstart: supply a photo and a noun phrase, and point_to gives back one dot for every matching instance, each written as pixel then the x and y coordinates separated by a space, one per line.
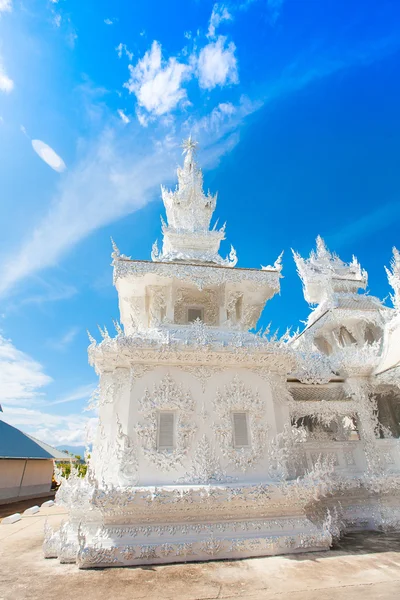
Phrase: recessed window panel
pixel 166 425
pixel 240 430
pixel 194 313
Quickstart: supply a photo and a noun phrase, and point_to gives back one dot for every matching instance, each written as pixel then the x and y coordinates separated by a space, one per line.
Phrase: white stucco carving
pixel 275 445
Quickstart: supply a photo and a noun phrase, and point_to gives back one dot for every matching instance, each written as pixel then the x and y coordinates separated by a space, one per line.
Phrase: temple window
pixel 372 334
pixel 240 430
pixel 345 337
pixel 323 345
pixel 389 415
pixel 165 434
pixel 194 313
pixel 340 429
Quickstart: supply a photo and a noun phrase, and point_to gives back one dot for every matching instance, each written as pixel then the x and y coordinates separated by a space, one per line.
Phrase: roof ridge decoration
pixel 188 235
pixel 324 274
pixel 393 275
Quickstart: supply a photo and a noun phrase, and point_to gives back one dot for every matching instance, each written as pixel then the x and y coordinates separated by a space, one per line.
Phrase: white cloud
pixel 219 14
pixel 47 154
pixel 157 84
pixel 217 64
pixel 6 84
pixel 50 428
pixel 21 382
pixel 5 5
pixel 111 169
pixel 123 49
pixel 108 21
pixel 123 116
pixel 21 377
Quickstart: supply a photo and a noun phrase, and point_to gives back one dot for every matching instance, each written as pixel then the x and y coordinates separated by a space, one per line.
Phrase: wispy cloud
pixel 21 377
pixel 272 7
pixel 367 225
pixel 112 168
pixel 123 116
pixel 46 290
pixel 83 392
pixel 109 169
pixel 123 49
pixel 65 340
pixel 220 13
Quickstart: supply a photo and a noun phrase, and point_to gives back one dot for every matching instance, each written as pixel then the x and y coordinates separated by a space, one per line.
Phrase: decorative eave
pixel 243 350
pixel 199 275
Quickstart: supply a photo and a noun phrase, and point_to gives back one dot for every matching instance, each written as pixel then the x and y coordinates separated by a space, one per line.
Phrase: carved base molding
pixel 93 546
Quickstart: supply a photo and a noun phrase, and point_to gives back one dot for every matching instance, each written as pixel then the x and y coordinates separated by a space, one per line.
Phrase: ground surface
pixel 21 505
pixel 363 567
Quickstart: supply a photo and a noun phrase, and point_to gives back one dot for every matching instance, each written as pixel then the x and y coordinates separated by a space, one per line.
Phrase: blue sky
pixel 295 104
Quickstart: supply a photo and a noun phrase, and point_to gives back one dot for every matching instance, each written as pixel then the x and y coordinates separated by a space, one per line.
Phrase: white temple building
pixel 216 441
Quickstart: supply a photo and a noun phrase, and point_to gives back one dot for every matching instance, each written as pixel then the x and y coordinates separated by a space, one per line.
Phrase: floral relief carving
pixel 238 397
pixel 127 458
pixel 202 373
pixel 167 395
pixel 206 467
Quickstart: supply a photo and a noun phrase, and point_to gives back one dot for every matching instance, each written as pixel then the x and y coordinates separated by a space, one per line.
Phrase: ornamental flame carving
pixel 167 395
pixel 238 397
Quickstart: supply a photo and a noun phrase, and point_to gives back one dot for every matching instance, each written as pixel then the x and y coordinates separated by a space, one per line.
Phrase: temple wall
pixel 205 397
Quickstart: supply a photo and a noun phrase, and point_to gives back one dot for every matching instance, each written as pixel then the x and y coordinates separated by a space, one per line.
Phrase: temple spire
pixel 188 235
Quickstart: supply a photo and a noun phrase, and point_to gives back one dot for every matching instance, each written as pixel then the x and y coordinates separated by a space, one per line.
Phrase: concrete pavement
pixel 363 567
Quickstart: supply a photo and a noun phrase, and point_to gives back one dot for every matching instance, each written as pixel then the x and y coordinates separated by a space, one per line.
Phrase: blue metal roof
pixel 16 444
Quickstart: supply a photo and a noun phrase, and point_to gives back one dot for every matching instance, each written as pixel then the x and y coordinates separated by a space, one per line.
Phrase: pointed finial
pixel 322 250
pixel 189 145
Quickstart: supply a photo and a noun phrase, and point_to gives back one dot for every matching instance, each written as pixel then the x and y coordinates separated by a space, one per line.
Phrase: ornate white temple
pixel 217 442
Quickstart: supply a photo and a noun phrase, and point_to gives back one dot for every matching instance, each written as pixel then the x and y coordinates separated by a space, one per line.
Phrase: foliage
pixel 79 465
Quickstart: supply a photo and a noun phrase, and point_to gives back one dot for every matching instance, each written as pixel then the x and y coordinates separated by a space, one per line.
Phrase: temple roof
pixel 324 274
pixel 16 444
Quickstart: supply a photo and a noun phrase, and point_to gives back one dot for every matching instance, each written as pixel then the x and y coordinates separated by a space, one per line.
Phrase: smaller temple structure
pixel 216 440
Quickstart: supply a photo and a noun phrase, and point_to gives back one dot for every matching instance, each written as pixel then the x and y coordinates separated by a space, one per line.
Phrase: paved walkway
pixel 363 567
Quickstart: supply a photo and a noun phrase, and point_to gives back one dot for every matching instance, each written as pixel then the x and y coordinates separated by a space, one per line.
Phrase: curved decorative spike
pixel 115 253
pixel 278 263
pixel 91 338
pixel 103 332
pixel 118 327
pixel 232 257
pixel 393 275
pixel 155 253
